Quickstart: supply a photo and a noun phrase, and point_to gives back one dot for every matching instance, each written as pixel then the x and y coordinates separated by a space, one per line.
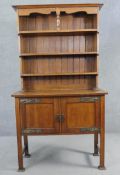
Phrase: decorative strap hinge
pixel 90 129
pixel 30 100
pixel 89 99
pixel 32 131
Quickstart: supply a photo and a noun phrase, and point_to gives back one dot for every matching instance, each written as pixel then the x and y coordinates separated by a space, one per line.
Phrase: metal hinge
pixel 90 129
pixel 31 131
pixel 30 100
pixel 89 99
pixel 60 118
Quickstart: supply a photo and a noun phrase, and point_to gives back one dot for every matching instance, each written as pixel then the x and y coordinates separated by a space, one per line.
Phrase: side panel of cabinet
pixel 79 113
pixel 40 113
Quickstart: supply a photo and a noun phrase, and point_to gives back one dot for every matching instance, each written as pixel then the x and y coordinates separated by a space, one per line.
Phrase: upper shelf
pixel 57 54
pixel 58 32
pixel 60 74
pixel 57 5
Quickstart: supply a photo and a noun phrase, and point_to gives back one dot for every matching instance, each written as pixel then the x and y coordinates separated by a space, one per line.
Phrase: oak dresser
pixel 59 54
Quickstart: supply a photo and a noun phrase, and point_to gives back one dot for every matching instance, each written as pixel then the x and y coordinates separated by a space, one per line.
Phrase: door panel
pixel 43 115
pixel 79 114
pixel 40 113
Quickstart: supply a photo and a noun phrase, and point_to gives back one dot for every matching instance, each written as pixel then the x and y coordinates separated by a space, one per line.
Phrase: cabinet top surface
pixel 57 5
pixel 59 92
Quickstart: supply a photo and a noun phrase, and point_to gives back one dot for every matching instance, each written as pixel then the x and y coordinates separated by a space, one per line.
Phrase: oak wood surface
pixel 58 32
pixel 58 5
pixel 59 92
pixel 59 55
pixel 19 133
pixel 41 115
pixel 78 114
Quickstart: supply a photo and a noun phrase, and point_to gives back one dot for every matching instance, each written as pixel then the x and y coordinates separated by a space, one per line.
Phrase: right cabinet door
pixel 80 112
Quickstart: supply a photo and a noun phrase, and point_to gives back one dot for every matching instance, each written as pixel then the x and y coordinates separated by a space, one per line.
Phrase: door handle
pixel 60 118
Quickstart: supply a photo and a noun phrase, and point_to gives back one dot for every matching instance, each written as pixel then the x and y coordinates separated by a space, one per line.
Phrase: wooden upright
pixel 59 53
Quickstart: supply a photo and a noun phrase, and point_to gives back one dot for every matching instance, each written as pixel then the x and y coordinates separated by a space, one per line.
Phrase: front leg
pixel 19 135
pixel 102 151
pixel 102 135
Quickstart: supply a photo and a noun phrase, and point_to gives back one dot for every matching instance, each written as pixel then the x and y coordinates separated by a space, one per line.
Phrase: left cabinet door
pixel 39 115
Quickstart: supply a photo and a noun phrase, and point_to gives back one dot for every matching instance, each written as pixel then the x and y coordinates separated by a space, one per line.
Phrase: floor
pixel 60 155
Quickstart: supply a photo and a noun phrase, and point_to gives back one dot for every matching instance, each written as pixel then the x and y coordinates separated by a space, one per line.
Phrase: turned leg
pixel 26 149
pixel 96 145
pixel 102 137
pixel 19 135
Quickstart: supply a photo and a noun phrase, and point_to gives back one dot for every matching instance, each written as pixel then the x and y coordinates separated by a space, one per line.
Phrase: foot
pixel 101 168
pixel 27 155
pixel 96 154
pixel 21 169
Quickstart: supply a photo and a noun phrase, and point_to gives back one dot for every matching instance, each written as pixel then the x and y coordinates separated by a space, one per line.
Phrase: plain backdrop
pixel 109 67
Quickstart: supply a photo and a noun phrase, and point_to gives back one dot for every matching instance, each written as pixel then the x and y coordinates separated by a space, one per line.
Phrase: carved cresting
pixel 47 11
pixel 68 10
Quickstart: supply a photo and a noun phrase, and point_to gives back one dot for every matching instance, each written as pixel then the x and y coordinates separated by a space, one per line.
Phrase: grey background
pixel 109 60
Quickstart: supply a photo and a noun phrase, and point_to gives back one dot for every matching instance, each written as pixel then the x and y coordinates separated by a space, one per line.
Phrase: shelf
pixel 57 54
pixel 60 92
pixel 58 32
pixel 59 74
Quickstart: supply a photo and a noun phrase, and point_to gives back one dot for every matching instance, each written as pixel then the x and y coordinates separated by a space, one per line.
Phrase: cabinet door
pixel 80 112
pixel 39 115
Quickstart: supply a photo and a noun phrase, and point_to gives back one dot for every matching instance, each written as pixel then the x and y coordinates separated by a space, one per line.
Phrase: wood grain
pixel 59 54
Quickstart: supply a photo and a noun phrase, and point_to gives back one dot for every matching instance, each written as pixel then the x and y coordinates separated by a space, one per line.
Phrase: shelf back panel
pixel 67 64
pixel 58 44
pixel 64 82
pixel 49 22
pixel 50 65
